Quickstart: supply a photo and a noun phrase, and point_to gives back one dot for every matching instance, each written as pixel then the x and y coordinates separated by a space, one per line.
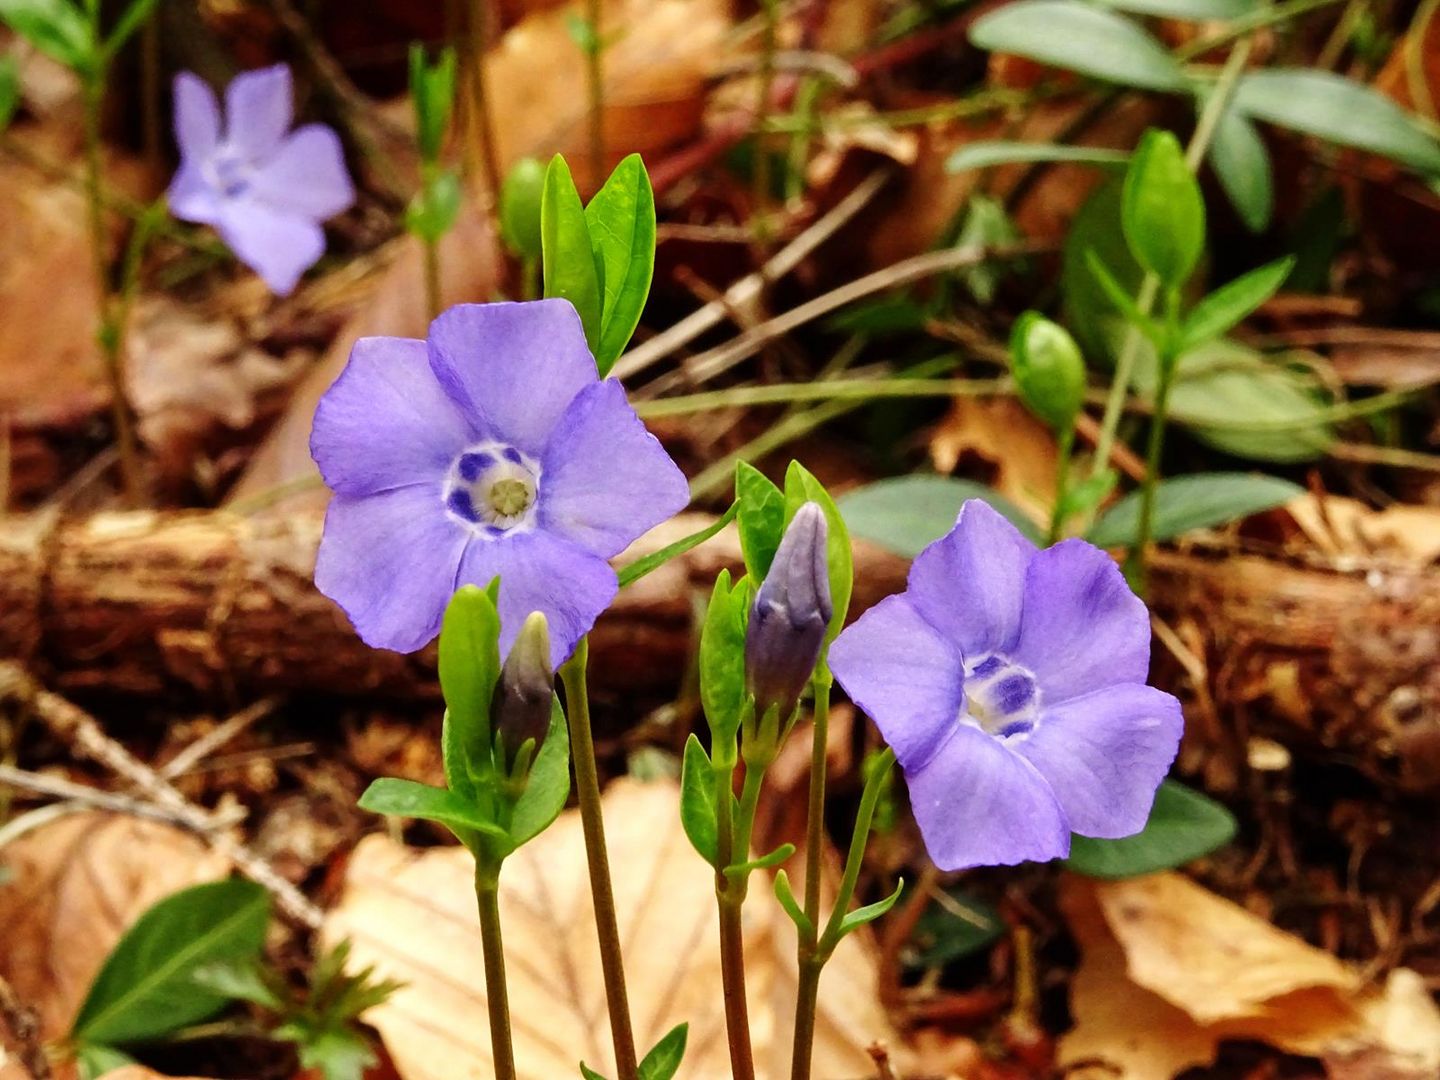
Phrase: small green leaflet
pixel 621 220
pixel 1198 501
pixel 761 507
pixel 1161 210
pixel 697 800
pixel 985 153
pixel 571 270
pixel 1183 826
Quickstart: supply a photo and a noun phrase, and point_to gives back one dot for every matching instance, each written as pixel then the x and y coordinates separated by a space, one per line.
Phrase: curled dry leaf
pixel 76 884
pixel 1346 528
pixel 1170 970
pixel 412 915
pixel 998 442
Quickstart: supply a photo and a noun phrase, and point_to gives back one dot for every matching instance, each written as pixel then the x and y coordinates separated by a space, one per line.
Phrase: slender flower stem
pixel 432 277
pixel 595 81
pixel 497 996
pixel 815 813
pixel 587 787
pixel 729 897
pixel 1135 558
pixel 806 1002
pixel 1062 482
pixel 482 149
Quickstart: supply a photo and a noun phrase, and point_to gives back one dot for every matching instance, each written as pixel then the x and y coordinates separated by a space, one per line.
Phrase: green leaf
pixel 954 927
pixel 621 220
pixel 408 798
pixel 1080 37
pixel 1082 497
pixel 548 786
pixel 1192 10
pixel 521 196
pixel 1183 826
pixel 147 988
pixel 9 89
pixel 1120 297
pixel 801 487
pixel 988 152
pixel 1227 305
pixel 1333 108
pixel 133 18
pixel 764 862
pixel 1242 165
pixel 870 912
pixel 469 667
pixel 94 1060
pixel 571 271
pixel 633 572
pixel 339 1053
pixel 1198 501
pixel 56 27
pixel 589 1073
pixel 663 1061
pixel 697 800
pixel 1162 211
pixel 1088 311
pixel 761 520
pixel 722 659
pixel 908 513
pixel 240 980
pixel 786 896
pixel 987 224
pixel 432 93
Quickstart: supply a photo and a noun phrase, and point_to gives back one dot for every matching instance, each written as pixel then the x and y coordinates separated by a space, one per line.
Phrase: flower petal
pixel 385 422
pixel 1083 629
pixel 980 804
pixel 192 197
pixel 258 111
pixel 604 479
pixel 278 246
pixel 540 572
pixel 906 677
pixel 1104 755
pixel 306 175
pixel 970 584
pixel 514 367
pixel 389 561
pixel 197 117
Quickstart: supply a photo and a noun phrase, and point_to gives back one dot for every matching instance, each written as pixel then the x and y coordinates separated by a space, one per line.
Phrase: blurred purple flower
pixel 1011 684
pixel 492 448
pixel 264 188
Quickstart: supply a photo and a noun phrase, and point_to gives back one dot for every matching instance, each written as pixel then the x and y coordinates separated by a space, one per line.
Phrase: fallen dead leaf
pixel 997 441
pixel 1170 970
pixel 75 885
pixel 411 914
pixel 1341 528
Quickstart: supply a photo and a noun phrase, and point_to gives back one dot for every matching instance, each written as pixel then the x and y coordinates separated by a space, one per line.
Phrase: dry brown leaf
pixel 412 914
pixel 1000 443
pixel 1346 528
pixel 76 884
pixel 1170 970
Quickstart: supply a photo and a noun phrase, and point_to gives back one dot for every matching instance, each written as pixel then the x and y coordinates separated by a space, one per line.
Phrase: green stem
pixel 497 996
pixel 482 123
pixel 1246 24
pixel 595 81
pixel 1062 482
pixel 815 812
pixel 1135 558
pixel 587 788
pixel 832 390
pixel 806 1000
pixel 729 897
pixel 432 277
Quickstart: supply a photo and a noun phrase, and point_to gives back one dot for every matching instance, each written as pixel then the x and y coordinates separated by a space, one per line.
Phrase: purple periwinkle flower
pixel 490 449
pixel 1011 684
pixel 264 188
pixel 791 612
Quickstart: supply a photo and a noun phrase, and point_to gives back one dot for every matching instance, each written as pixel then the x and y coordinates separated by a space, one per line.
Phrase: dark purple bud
pixel 791 612
pixel 524 690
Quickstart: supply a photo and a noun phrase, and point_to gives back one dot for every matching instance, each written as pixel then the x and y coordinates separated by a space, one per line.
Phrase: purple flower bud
pixel 521 708
pixel 791 612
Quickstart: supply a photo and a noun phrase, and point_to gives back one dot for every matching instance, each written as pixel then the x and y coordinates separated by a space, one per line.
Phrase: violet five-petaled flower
pixel 490 449
pixel 1010 682
pixel 264 188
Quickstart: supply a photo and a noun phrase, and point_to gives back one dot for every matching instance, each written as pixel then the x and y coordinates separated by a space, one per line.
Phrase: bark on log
pixel 1341 660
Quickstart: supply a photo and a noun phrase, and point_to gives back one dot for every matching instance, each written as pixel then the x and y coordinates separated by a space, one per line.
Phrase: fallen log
pixel 1342 660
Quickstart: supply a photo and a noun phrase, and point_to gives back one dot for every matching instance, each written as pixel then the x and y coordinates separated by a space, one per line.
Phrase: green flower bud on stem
pixel 520 197
pixel 1048 369
pixel 521 708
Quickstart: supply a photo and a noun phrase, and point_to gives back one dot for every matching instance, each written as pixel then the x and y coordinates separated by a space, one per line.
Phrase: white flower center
pixel 493 488
pixel 1001 697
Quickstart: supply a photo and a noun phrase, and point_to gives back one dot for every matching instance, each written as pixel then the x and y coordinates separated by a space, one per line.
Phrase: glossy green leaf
pixel 147 989
pixel 1089 313
pixel 1242 165
pixel 1162 211
pixel 987 152
pixel 786 896
pixel 589 1073
pixel 548 786
pixel 951 928
pixel 571 269
pixel 1080 37
pixel 130 21
pixel 1232 302
pixel 802 487
pixel 697 800
pixel 761 520
pixel 58 28
pixel 1335 109
pixel 408 798
pixel 633 572
pixel 1198 501
pixel 521 195
pixel 762 862
pixel 469 664
pixel 1192 10
pixel 870 912
pixel 722 659
pixel 1184 825
pixel 621 220
pixel 908 513
pixel 663 1060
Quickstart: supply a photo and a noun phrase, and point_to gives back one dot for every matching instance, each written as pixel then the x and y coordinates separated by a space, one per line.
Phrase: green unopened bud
pixel 432 92
pixel 1048 368
pixel 523 693
pixel 520 197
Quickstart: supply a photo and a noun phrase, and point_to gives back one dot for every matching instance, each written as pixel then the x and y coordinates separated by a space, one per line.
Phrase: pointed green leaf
pixel 56 27
pixel 987 152
pixel 1119 296
pixel 133 18
pixel 1242 165
pixel 786 896
pixel 634 571
pixel 870 912
pixel 469 668
pixel 1230 303
pixel 906 514
pixel 548 786
pixel 1183 826
pixel 802 487
pixel 1162 211
pixel 571 272
pixel 722 659
pixel 621 220
pixel 95 1060
pixel 697 800
pixel 589 1073
pixel 764 862
pixel 147 988
pixel 408 798
pixel 663 1061
pixel 1198 501
pixel 761 520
